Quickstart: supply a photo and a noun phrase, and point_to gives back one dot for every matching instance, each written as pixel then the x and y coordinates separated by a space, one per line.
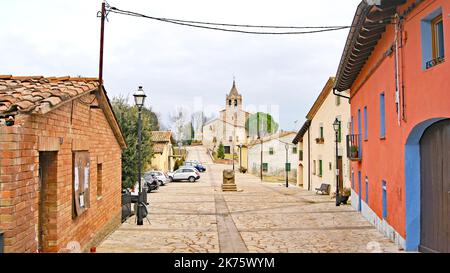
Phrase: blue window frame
pixel 432 36
pixel 382 116
pixel 367 190
pixel 359 191
pixel 384 196
pixel 366 135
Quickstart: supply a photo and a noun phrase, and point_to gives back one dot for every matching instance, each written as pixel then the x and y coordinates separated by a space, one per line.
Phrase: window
pixel 237 138
pixel 366 135
pixel 338 100
pixel 300 155
pixel 384 197
pixel 271 152
pixel 367 190
pixel 437 28
pixel 99 180
pixel 382 117
pixel 230 139
pixel 229 102
pixel 81 182
pixel 235 103
pixel 288 167
pixel 321 132
pixel 227 150
pixel 265 167
pixel 320 168
pixel 294 150
pixel 433 39
pixel 314 167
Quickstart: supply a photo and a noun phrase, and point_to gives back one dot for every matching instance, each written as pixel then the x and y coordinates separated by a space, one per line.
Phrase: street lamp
pixel 139 100
pixel 336 126
pixel 286 165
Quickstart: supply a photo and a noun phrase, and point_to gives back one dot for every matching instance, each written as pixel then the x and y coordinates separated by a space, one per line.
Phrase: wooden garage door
pixel 435 188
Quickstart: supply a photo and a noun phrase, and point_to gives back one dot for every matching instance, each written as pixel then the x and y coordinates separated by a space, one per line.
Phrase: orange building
pixel 394 65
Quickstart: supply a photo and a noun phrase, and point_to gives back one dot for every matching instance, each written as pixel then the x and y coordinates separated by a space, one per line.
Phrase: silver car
pixel 161 176
pixel 185 174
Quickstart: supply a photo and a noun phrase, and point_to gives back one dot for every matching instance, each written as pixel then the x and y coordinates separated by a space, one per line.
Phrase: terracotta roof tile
pixel 161 136
pixel 38 95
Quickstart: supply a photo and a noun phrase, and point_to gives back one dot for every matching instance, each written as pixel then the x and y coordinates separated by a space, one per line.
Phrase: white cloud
pixel 176 64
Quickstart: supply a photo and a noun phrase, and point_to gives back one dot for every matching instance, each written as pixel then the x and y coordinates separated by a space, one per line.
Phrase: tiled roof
pixel 161 136
pixel 38 95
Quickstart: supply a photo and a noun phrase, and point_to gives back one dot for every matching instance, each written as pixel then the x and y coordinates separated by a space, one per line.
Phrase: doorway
pixel 47 196
pixel 435 188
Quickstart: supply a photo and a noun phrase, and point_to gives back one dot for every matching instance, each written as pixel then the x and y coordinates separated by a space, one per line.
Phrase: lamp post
pixel 336 126
pixel 286 165
pixel 139 99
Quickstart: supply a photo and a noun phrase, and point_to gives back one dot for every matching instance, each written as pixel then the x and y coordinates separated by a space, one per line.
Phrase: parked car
pixel 185 173
pixel 151 181
pixel 197 166
pixel 161 176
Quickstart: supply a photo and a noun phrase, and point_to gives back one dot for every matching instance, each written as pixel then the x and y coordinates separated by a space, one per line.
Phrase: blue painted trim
pixel 412 184
pixel 382 116
pixel 366 134
pixel 426 37
pixel 359 191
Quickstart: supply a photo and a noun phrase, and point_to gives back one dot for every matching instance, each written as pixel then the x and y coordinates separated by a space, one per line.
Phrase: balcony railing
pixel 353 147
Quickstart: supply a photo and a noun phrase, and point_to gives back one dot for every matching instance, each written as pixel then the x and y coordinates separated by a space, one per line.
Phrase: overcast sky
pixel 179 65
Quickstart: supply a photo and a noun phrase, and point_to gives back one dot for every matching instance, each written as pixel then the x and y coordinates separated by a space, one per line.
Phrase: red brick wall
pixel 70 127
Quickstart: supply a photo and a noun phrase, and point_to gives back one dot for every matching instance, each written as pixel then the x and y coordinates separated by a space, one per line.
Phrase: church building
pixel 229 127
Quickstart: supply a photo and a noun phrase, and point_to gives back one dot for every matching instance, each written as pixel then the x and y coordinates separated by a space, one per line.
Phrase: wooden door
pixel 435 188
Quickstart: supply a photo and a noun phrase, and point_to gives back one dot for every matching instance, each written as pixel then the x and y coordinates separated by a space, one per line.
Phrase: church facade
pixel 229 127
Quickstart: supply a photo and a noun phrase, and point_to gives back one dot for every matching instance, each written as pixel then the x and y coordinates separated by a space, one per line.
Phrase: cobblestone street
pixel 261 217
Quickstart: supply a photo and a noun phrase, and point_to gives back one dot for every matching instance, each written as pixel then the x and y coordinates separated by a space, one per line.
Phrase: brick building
pixel 60 164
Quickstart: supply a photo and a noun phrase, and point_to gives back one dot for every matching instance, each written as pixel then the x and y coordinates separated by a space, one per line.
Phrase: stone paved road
pixel 263 217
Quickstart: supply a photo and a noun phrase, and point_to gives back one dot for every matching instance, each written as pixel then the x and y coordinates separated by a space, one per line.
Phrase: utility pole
pixel 102 42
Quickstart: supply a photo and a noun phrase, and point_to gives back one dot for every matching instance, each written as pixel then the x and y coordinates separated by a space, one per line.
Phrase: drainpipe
pixel 397 72
pixel 339 95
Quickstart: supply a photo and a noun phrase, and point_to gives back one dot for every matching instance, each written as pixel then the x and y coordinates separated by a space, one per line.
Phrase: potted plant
pixel 242 170
pixel 354 151
pixel 345 195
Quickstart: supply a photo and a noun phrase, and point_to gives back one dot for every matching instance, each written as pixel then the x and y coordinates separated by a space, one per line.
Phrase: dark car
pixel 197 166
pixel 151 181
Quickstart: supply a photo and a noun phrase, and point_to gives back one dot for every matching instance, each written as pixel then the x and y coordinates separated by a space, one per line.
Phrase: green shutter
pixel 320 168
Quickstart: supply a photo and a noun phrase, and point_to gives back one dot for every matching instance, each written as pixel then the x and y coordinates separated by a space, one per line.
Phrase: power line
pixel 215 26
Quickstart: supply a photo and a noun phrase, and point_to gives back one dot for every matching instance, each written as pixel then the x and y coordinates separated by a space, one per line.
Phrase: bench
pixel 324 189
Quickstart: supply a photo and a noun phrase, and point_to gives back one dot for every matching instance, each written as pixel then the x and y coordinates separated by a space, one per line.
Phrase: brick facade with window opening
pixel 55 118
